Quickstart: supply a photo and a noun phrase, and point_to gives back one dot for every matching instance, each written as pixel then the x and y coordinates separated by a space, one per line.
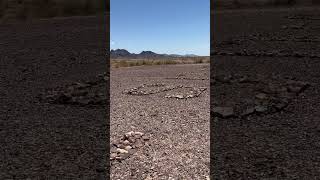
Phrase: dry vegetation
pixel 25 9
pixel 116 63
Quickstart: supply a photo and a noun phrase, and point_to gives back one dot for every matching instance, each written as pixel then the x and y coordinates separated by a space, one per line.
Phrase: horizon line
pixel 157 52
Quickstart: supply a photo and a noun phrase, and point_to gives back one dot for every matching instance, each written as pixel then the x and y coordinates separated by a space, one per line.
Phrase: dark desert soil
pixel 39 140
pixel 276 54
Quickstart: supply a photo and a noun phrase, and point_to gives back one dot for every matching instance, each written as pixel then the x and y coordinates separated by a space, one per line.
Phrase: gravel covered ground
pixel 40 140
pixel 265 90
pixel 169 104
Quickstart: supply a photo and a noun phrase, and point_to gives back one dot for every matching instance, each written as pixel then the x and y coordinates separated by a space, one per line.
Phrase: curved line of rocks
pixel 270 99
pixel 138 92
pixel 194 92
pixel 187 78
pixel 79 93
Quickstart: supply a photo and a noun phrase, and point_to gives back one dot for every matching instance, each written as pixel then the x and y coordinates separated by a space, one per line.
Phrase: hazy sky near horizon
pixel 161 26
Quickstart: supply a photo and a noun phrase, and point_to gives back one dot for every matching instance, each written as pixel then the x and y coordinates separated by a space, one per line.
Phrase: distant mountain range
pixel 122 53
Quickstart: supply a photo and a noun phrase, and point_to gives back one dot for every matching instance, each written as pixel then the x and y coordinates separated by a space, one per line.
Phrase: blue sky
pixel 161 26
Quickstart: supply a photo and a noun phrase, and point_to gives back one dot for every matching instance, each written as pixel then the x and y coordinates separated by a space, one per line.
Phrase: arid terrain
pixel 21 10
pixel 265 94
pixel 45 139
pixel 264 91
pixel 166 109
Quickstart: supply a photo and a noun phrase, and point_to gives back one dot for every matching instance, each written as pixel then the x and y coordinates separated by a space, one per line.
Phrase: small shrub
pixel 198 60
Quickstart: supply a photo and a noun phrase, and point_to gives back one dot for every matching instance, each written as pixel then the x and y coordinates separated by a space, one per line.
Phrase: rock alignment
pixel 188 78
pixel 267 98
pixel 79 93
pixel 147 89
pixel 194 92
pixel 144 89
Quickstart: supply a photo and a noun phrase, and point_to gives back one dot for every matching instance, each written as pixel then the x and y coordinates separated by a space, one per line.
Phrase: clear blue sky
pixel 161 26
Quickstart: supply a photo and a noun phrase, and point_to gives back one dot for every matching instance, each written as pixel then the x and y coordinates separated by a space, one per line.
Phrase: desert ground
pixel 264 91
pixel 265 94
pixel 169 104
pixel 45 139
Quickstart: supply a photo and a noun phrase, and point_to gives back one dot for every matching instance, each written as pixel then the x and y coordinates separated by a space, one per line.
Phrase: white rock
pixel 126 142
pixel 129 134
pixel 139 133
pixel 122 151
pixel 179 96
pixel 128 148
pixel 113 155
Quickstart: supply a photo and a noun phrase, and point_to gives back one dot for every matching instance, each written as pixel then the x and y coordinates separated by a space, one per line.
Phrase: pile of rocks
pixel 80 93
pixel 271 97
pixel 127 145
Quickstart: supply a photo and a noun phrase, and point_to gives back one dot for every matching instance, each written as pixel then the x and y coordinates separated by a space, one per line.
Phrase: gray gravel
pixel 178 128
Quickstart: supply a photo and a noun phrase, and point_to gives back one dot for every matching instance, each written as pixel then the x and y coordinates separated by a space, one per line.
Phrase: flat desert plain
pixel 265 94
pixel 55 140
pixel 162 113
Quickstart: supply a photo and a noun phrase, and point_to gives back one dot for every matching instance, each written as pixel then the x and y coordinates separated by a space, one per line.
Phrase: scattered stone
pixel 248 112
pixel 294 89
pixel 261 96
pixel 128 148
pixel 244 79
pixel 113 156
pixel 119 150
pixel 139 134
pixel 223 112
pixel 132 151
pixel 280 105
pixel 124 156
pixel 129 134
pixel 179 96
pixel 261 109
pixel 297 86
pixel 126 142
pixel 190 96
